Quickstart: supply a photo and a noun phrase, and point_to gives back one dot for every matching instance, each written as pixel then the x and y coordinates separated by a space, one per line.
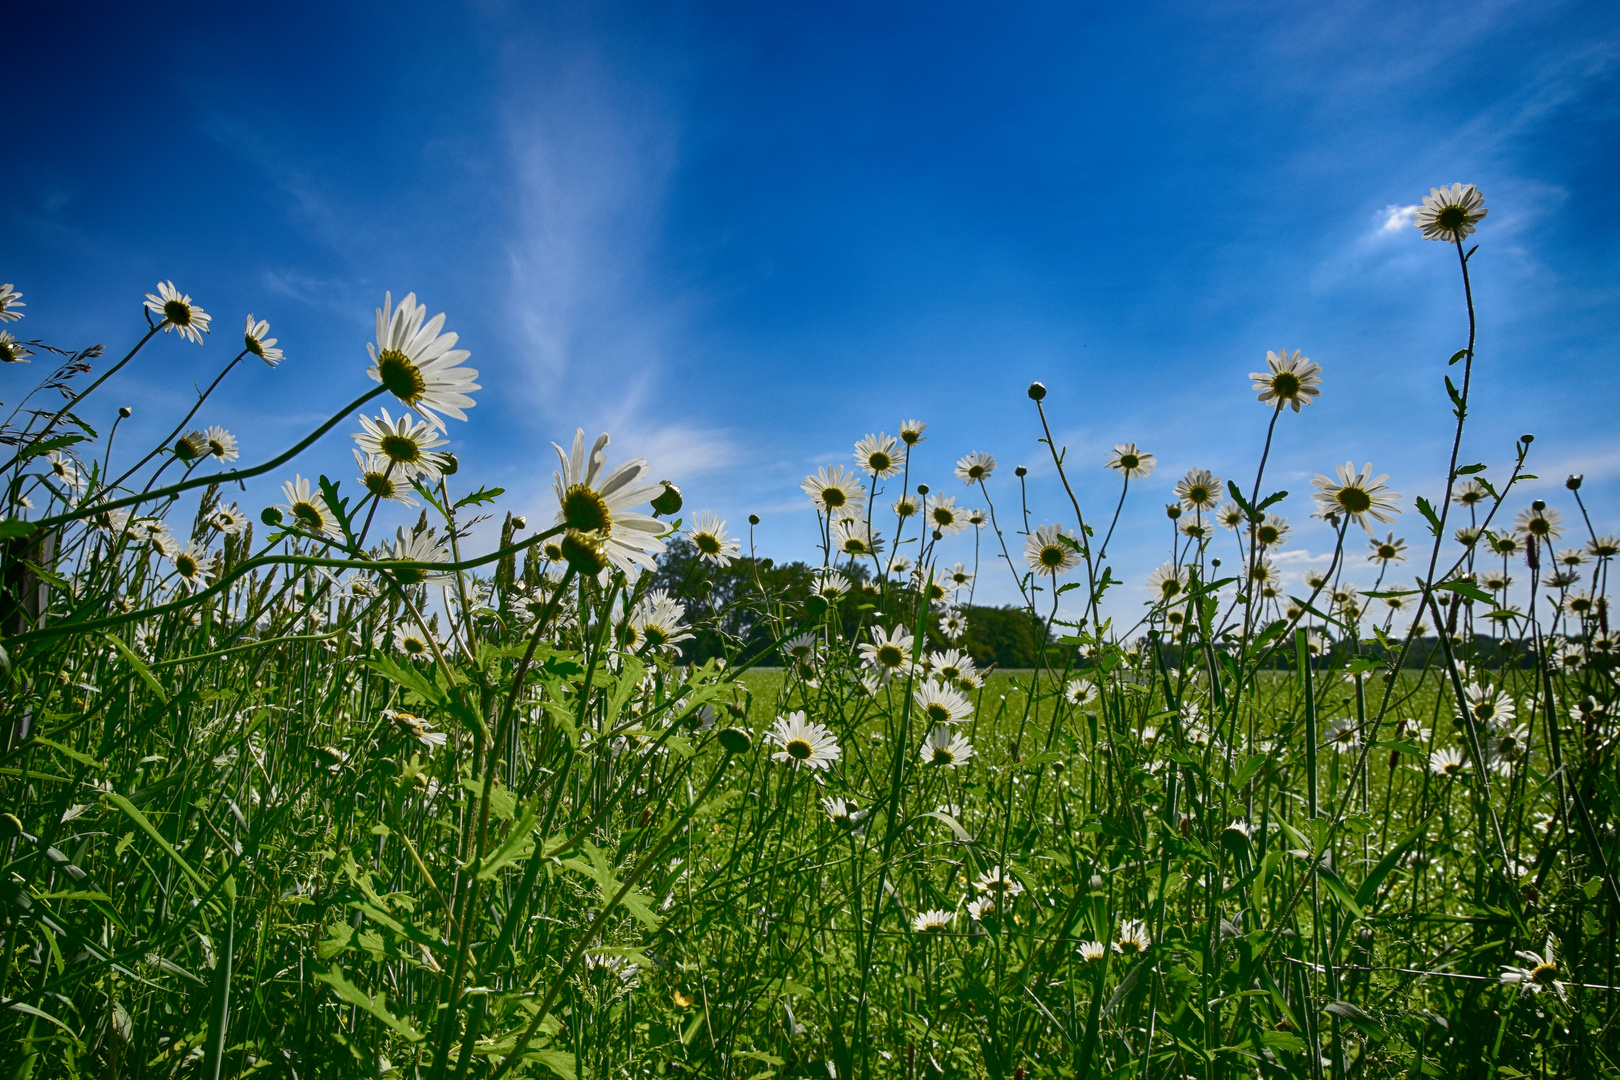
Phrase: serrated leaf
pixel 479 497
pixel 1429 515
pixel 347 991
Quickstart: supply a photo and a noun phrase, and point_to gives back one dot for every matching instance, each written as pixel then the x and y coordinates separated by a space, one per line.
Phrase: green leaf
pixel 139 667
pixel 1356 1017
pixel 150 830
pixel 347 991
pixel 82 759
pixel 479 497
pixel 1247 771
pixel 1375 878
pixel 1429 515
pixel 1243 504
pixel 1468 589
pixel 12 528
pixel 1456 356
pixel 518 845
pixel 56 443
pixel 560 1062
pixel 1469 470
pixel 1341 891
pixel 1283 1040
pixel 1271 500
pixel 408 677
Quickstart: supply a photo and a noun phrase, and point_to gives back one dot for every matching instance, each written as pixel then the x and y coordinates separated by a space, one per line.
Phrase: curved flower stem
pixel 86 392
pixel 1102 552
pixel 167 439
pixel 1085 536
pixel 1017 577
pixel 215 478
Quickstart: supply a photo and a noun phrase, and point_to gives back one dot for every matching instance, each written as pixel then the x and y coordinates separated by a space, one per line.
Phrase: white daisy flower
pixel 996 883
pixel 1080 692
pixel 1200 489
pixel 932 922
pixel 1541 975
pixel 803 742
pixel 1450 214
pixel 1272 532
pixel 1357 495
pixel 945 748
pixel 889 651
pixel 708 535
pixel 1168 582
pixel 940 704
pixel 1488 708
pixel 851 537
pixel 414 640
pixel 658 621
pixel 10 301
pixel 193 563
pixel 178 312
pixel 1293 379
pixel 383 478
pixel 844 814
pixel 960 576
pixel 1448 761
pixel 951 666
pixel 1129 462
pixel 835 491
pixel 255 341
pixel 11 351
pixel 1092 951
pixel 945 516
pixel 1388 550
pixel 1133 937
pixel 879 455
pixel 1543 523
pixel 953 625
pixel 423 547
pixel 975 467
pixel 407 442
pixel 230 520
pixel 308 511
pixel 64 470
pixel 1046 552
pixel 907 506
pixel 595 505
pixel 419 365
pixel 911 432
pixel 216 443
pixel 1231 515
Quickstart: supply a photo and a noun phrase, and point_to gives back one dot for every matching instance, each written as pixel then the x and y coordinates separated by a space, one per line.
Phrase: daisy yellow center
pixel 309 515
pixel 400 448
pixel 585 510
pixel 1129 461
pixel 833 496
pixel 890 655
pixel 996 885
pixel 253 345
pixel 379 485
pixel 217 448
pixel 911 438
pixel 933 926
pixel 402 377
pixel 938 713
pixel 905 508
pixel 950 673
pixel 943 516
pixel 1269 534
pixel 1484 710
pixel 1355 500
pixel 1544 974
pixel 799 749
pixel 1051 556
pixel 1285 384
pixel 1130 946
pixel 854 546
pixel 936 591
pixel 1452 217
pixel 177 312
pixel 975 472
pixel 186 565
pixel 415 646
pixel 1198 493
pixel 1387 551
pixel 655 635
pixel 878 461
pixel 1539 526
pixel 706 543
pixel 1170 588
pixel 1580 603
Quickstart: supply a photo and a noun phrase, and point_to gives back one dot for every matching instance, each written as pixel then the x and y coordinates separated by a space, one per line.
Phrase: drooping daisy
pixel 1468 536
pixel 1603 547
pixel 911 432
pixel 178 312
pixel 1167 583
pixel 1542 522
pixel 407 442
pixel 803 742
pixel 941 705
pixel 889 651
pixel 658 621
pixel 419 365
pixel 951 665
pixel 254 340
pixel 945 516
pixel 11 352
pixel 1488 708
pixel 835 490
pixel 1231 515
pixel 1541 975
pixel 10 301
pixel 1293 379
pixel 975 467
pixel 1343 734
pixel 1450 214
pixel 383 478
pixel 217 443
pixel 983 908
pixel 595 506
pixel 1495 580
pixel 1469 493
pixel 844 814
pixel 193 563
pixel 414 727
pixel 879 455
pixel 308 511
pixel 1388 550
pixel 422 547
pixel 708 535
pixel 932 922
pixel 907 506
pixel 1272 532
pixel 1129 462
pixel 1358 496
pixel 1047 553
pixel 1200 489
pixel 1080 692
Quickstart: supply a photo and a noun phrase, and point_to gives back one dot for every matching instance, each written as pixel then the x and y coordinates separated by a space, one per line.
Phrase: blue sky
pixel 739 237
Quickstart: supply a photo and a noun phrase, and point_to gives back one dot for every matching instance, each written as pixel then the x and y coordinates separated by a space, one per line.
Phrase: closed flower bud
pixel 669 502
pixel 735 740
pixel 1037 391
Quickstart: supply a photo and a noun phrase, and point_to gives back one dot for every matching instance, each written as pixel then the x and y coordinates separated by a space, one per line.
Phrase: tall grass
pixel 281 800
